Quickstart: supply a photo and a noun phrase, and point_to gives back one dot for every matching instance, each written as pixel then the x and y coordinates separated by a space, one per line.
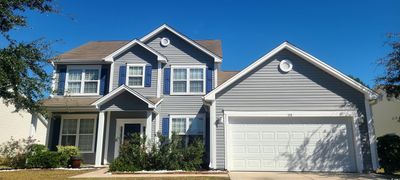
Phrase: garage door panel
pixel 309 144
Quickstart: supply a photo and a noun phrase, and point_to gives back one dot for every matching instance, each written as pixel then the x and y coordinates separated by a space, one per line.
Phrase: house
pixel 21 125
pixel 387 112
pixel 287 111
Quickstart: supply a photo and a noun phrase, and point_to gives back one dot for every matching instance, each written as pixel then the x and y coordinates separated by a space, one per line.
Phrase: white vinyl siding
pixel 82 80
pixel 188 80
pixel 135 75
pixel 78 131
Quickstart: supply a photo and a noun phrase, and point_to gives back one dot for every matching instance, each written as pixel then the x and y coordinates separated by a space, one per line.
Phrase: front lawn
pixel 40 174
pixel 64 174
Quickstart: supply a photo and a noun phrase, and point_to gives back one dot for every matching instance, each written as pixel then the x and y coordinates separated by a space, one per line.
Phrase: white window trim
pixel 187 117
pixel 187 80
pixel 78 117
pixel 83 68
pixel 143 74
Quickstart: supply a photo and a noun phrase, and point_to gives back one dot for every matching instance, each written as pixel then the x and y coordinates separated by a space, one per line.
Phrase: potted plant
pixel 76 161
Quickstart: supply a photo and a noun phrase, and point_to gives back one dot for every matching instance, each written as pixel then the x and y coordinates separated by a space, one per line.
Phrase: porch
pixel 108 119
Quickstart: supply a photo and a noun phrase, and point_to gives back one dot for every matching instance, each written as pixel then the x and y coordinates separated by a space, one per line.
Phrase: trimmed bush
pixel 66 153
pixel 389 152
pixel 40 157
pixel 167 154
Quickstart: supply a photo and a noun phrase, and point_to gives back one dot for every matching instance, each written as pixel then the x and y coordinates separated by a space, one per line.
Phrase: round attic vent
pixel 285 65
pixel 165 41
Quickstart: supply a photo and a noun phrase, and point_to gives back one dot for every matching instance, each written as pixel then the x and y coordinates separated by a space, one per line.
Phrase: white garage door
pixel 290 144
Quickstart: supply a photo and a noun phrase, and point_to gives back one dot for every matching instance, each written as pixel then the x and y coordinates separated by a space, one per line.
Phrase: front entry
pixel 130 129
pixel 125 128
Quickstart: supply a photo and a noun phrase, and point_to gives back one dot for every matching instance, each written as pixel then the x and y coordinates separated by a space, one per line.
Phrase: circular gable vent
pixel 165 41
pixel 285 65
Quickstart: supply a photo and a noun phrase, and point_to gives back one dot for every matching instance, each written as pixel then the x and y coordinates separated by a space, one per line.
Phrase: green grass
pixel 64 174
pixel 39 174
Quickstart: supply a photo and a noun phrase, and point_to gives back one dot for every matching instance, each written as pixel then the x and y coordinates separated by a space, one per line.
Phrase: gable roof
pixel 111 57
pixel 304 55
pixel 120 90
pixel 97 50
pixel 195 44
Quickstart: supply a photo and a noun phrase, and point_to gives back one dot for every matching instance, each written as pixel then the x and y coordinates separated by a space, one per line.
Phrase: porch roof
pixel 152 102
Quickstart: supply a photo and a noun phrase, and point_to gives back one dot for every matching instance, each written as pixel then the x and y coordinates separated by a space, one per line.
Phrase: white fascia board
pixel 160 57
pixel 313 60
pixel 164 26
pixel 118 91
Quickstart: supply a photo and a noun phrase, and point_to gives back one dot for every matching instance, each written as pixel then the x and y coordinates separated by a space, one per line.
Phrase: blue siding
pixel 103 80
pixel 147 76
pixel 122 75
pixel 208 80
pixel 167 80
pixel 61 79
pixel 165 127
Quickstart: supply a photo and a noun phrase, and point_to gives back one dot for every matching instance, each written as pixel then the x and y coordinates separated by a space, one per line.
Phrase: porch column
pixel 148 125
pixel 213 131
pixel 99 142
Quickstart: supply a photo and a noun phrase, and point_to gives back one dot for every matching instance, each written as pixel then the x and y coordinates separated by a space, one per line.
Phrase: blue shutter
pixel 61 79
pixel 167 80
pixel 103 80
pixel 208 80
pixel 122 75
pixel 147 76
pixel 165 127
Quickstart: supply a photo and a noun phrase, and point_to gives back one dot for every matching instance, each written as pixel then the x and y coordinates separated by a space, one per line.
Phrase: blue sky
pixel 348 35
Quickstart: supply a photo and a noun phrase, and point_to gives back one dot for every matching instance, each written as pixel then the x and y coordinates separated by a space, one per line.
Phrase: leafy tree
pixel 23 79
pixel 390 80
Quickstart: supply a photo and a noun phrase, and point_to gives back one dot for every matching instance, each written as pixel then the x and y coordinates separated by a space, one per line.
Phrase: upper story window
pixel 135 75
pixel 188 80
pixel 83 80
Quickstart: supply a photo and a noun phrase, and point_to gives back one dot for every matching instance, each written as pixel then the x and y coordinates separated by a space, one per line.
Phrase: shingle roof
pixel 225 75
pixel 212 45
pixel 97 50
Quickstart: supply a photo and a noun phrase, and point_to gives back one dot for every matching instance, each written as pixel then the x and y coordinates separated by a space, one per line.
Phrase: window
pixel 188 80
pixel 189 127
pixel 78 132
pixel 81 80
pixel 135 75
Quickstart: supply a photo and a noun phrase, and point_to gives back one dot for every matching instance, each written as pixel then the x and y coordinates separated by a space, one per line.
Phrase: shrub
pixel 14 152
pixel 132 155
pixel 66 153
pixel 169 154
pixel 389 152
pixel 40 157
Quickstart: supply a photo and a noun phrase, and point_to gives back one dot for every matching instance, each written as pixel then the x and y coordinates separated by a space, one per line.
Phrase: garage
pixel 290 144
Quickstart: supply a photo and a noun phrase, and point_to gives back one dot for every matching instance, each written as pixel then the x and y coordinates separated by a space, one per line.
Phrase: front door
pixel 130 129
pixel 125 128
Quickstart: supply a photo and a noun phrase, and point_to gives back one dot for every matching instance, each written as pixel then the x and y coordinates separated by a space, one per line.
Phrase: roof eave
pixel 110 58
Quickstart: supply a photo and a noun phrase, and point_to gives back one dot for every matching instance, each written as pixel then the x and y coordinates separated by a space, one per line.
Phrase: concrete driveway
pixel 303 175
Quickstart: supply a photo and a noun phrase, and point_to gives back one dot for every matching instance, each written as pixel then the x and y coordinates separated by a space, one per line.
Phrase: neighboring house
pixel 387 112
pixel 287 111
pixel 20 125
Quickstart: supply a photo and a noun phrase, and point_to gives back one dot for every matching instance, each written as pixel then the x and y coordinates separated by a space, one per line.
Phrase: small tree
pixel 390 80
pixel 23 79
